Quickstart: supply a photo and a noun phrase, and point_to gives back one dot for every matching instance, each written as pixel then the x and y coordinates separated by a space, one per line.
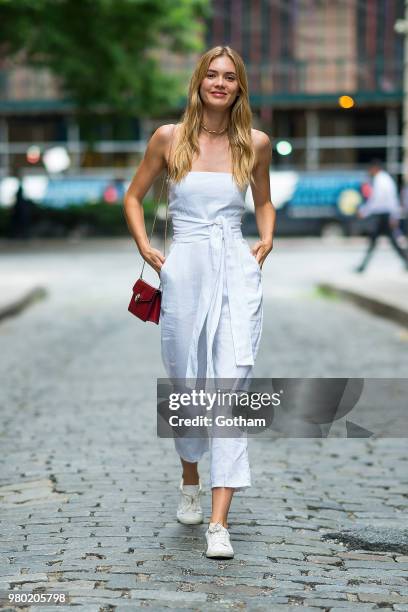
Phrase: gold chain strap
pixel 165 180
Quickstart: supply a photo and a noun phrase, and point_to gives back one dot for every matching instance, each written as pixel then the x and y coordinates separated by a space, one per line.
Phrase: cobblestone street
pixel 88 493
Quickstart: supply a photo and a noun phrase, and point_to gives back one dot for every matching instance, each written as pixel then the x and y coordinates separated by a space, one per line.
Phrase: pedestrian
pixel 403 228
pixel 21 214
pixel 212 305
pixel 383 208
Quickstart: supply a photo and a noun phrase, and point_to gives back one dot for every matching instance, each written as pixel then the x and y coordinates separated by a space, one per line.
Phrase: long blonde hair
pixel 239 127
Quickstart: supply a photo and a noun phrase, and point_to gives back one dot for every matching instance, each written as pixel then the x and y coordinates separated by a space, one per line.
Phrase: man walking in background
pixel 403 242
pixel 384 209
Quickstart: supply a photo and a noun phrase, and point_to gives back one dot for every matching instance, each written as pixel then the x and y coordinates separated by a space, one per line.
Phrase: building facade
pixel 301 57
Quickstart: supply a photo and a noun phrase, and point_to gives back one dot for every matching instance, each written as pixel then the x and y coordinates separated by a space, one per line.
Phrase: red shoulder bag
pixel 145 302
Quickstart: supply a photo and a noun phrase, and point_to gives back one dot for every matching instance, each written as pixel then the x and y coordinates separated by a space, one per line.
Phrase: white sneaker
pixel 189 511
pixel 218 541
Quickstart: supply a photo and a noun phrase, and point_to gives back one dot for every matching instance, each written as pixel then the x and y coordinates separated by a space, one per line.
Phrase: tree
pixel 104 52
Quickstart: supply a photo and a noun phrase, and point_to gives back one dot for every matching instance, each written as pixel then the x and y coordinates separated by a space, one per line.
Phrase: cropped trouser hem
pixel 230 485
pixel 229 459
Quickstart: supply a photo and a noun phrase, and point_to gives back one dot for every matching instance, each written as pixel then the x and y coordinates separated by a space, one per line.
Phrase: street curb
pixel 19 304
pixel 372 304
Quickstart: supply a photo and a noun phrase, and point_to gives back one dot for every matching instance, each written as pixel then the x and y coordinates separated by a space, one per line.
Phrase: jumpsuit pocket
pixel 256 263
pixel 253 258
pixel 166 261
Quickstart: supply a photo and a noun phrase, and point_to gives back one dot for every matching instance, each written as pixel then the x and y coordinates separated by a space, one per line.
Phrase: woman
pixel 211 316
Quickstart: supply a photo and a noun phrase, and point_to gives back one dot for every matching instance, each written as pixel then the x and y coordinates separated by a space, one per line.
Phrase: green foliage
pixel 103 51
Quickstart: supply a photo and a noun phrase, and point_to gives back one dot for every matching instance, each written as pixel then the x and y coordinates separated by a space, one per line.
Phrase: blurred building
pixel 302 56
pixel 34 112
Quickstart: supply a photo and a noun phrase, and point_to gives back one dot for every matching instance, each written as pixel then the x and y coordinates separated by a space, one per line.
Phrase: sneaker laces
pixel 190 502
pixel 220 534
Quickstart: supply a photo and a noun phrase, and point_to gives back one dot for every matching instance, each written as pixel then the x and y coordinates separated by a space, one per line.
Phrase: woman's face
pixel 220 87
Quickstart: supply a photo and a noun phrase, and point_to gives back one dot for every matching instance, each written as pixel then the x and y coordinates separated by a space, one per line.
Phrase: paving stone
pixel 355 606
pixel 375 538
pixel 389 598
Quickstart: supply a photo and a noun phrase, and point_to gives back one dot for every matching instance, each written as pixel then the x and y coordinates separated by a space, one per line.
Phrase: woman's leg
pixel 230 472
pixel 190 472
pixel 221 501
pixel 191 450
pixel 230 469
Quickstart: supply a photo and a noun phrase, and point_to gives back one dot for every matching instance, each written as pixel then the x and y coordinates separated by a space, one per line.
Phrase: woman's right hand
pixel 154 258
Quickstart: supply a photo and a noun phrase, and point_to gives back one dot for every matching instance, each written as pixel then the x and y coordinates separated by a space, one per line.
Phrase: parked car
pixel 63 191
pixel 320 203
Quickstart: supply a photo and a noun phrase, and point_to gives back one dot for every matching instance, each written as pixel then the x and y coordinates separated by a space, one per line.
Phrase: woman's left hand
pixel 261 250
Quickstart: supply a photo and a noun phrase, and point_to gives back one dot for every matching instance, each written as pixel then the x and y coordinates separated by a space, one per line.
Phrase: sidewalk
pixel 386 296
pixel 16 293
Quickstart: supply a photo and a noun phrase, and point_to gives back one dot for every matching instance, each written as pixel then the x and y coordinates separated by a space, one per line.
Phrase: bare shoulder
pixel 260 140
pixel 164 133
pixel 262 148
pixel 163 136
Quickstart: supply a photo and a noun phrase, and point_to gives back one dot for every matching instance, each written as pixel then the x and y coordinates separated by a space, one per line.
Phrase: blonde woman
pixel 212 310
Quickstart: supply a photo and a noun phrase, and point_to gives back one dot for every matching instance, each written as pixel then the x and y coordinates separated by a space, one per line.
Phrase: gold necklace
pixel 214 131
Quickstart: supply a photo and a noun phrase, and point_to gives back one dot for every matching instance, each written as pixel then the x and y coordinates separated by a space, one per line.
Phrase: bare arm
pixel 151 166
pixel 265 212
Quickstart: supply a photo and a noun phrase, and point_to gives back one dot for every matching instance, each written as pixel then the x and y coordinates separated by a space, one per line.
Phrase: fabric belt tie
pixel 225 265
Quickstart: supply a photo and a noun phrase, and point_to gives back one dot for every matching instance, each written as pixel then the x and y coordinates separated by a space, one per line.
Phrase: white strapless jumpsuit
pixel 212 305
